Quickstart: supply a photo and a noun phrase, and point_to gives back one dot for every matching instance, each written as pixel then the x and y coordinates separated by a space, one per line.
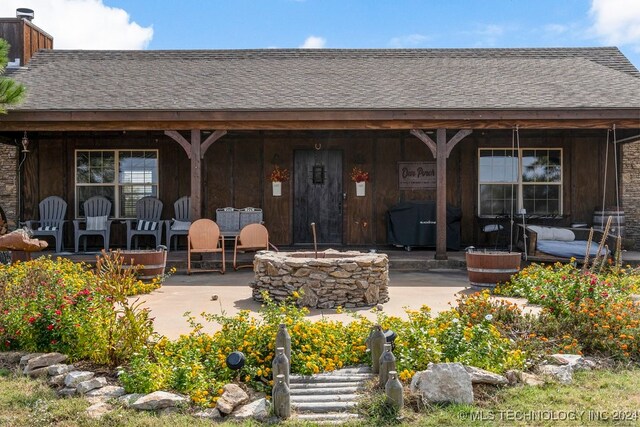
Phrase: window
pixel 122 176
pixel 529 179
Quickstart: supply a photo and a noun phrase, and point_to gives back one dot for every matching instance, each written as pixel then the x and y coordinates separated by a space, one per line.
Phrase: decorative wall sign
pixel 416 175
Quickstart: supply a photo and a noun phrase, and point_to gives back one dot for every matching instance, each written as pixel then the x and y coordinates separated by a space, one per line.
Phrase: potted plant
pixel 278 176
pixel 360 177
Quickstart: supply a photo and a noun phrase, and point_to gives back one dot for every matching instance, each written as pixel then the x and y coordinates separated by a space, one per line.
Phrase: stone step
pixel 294 386
pixel 330 378
pixel 325 390
pixel 322 407
pixel 331 417
pixel 352 370
pixel 324 398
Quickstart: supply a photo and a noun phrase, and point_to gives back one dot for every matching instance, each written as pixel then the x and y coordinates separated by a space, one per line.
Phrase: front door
pixel 317 196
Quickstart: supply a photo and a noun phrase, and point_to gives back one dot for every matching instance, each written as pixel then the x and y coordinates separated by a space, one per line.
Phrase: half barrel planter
pixel 487 269
pixel 152 262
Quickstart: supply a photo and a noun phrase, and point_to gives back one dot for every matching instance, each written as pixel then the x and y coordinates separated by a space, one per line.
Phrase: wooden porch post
pixel 441 150
pixel 195 152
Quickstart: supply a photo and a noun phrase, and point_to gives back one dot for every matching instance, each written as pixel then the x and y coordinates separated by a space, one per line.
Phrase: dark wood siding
pixel 236 172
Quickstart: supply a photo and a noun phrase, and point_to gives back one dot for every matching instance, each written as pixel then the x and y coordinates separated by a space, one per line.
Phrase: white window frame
pixel 520 183
pixel 116 184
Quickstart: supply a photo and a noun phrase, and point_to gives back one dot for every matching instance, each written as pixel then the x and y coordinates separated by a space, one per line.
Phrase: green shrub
pixel 58 305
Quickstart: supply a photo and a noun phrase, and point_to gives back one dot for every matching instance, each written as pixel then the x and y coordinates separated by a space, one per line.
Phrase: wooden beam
pixel 441 194
pixel 44 124
pixel 422 136
pixel 210 140
pixel 462 133
pixel 175 135
pixel 196 176
pixel 195 152
pixel 441 150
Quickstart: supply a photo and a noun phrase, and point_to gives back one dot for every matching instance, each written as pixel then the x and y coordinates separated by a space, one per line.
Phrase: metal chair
pixel 253 237
pixel 204 237
pixel 52 212
pixel 96 222
pixel 250 216
pixel 147 222
pixel 179 225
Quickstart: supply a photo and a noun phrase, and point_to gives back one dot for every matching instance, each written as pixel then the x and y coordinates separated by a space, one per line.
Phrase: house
pixel 483 130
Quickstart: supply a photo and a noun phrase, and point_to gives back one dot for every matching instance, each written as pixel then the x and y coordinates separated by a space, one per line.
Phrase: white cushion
pixel 96 223
pixel 553 233
pixel 147 225
pixel 563 235
pixel 180 225
pixel 48 228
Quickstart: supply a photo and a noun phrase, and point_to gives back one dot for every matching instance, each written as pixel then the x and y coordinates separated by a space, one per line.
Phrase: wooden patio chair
pixel 52 212
pixel 253 237
pixel 204 237
pixel 147 222
pixel 96 222
pixel 179 225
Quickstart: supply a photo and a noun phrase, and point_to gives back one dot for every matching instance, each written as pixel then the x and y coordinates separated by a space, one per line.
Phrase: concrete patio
pixel 197 293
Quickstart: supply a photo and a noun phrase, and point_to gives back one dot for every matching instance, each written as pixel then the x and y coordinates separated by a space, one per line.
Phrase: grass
pixel 607 397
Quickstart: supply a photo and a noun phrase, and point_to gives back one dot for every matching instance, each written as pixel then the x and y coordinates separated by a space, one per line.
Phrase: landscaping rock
pixel 258 410
pixel 57 380
pixel 210 414
pixel 25 359
pixel 443 383
pixel 158 400
pixel 11 358
pixel 562 373
pixel 59 369
pixel 67 391
pixel 129 399
pixel 480 376
pixel 576 361
pixel 38 372
pixel 74 378
pixel 97 410
pixel 108 392
pixel 232 397
pixel 91 384
pixel 530 379
pixel 44 360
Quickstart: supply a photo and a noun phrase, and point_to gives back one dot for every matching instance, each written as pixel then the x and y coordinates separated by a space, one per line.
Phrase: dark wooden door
pixel 317 196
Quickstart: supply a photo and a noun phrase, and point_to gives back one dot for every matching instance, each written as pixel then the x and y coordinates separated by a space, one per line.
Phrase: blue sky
pixel 239 24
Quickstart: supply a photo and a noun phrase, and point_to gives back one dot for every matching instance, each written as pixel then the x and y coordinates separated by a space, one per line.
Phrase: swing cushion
pixel 553 233
pixel 576 249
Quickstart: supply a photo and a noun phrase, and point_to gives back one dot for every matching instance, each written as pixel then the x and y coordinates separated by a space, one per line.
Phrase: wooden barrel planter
pixel 487 269
pixel 600 218
pixel 152 262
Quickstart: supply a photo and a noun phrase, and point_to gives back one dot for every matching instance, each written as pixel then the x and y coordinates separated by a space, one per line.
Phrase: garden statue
pixel 280 365
pixel 387 364
pixel 283 339
pixel 393 390
pixel 376 342
pixel 281 398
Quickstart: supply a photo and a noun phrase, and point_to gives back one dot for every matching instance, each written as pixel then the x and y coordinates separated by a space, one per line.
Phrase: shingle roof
pixel 294 79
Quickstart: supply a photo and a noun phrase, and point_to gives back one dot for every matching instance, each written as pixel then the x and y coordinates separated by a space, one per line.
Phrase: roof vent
pixel 23 12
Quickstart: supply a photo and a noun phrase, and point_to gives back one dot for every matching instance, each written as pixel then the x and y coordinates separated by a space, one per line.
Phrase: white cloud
pixel 411 40
pixel 617 21
pixel 83 24
pixel 314 42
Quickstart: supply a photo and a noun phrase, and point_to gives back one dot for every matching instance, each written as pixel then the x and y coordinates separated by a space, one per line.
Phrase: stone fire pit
pixel 346 279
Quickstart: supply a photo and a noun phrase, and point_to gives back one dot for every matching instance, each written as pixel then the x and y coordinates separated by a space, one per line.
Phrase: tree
pixel 11 92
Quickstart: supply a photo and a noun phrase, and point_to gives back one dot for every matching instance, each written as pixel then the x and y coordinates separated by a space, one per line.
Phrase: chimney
pixel 23 36
pixel 24 13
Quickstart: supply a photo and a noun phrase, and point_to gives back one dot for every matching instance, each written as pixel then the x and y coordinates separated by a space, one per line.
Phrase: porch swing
pixel 562 244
